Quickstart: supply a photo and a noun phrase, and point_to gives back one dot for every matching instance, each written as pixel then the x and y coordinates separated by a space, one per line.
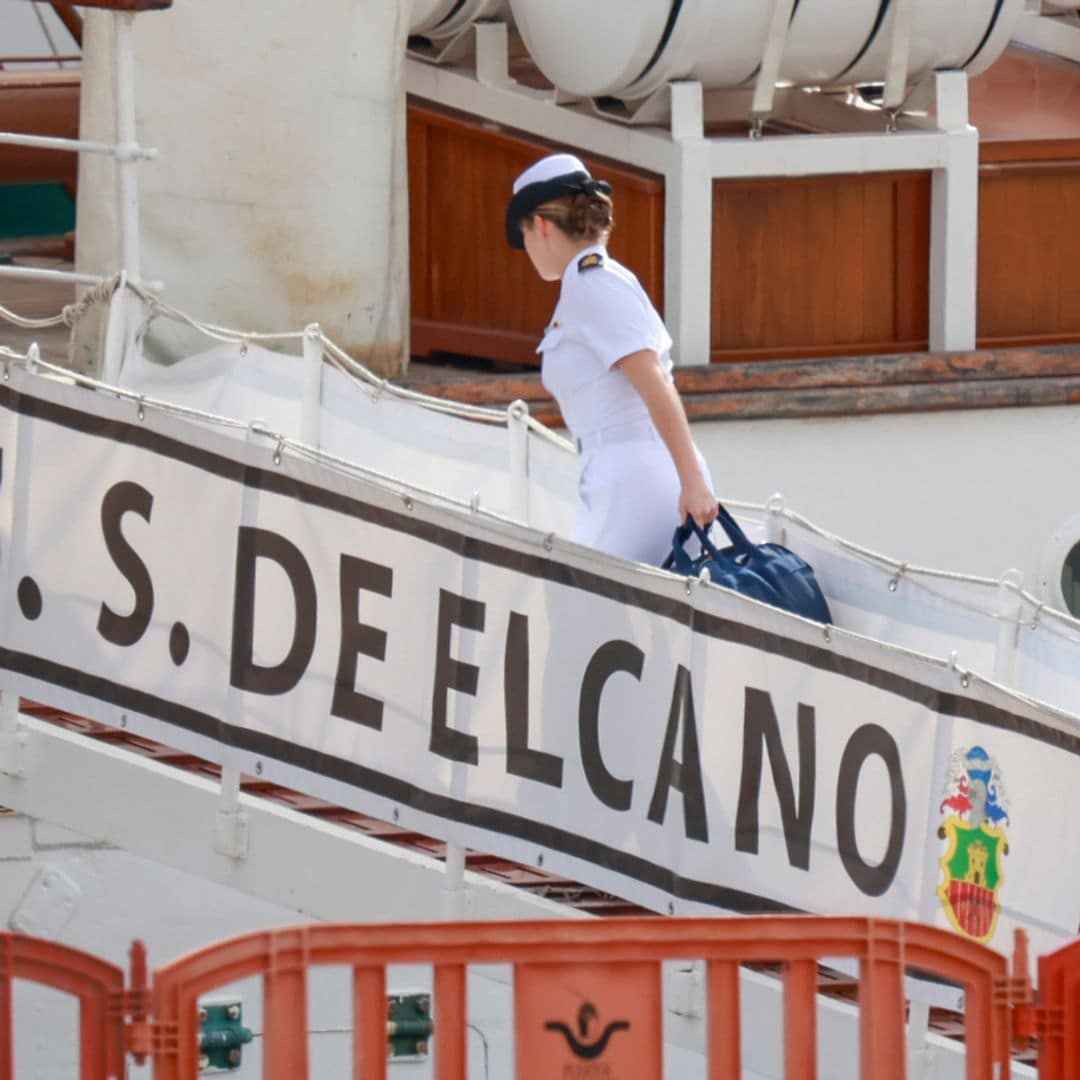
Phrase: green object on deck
pixel 35 210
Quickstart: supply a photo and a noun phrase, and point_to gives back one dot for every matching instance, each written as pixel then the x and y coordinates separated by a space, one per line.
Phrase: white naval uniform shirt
pixel 629 487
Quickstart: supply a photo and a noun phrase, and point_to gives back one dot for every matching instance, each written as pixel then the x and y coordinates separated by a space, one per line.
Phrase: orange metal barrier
pixel 591 992
pixel 98 986
pixel 1058 1015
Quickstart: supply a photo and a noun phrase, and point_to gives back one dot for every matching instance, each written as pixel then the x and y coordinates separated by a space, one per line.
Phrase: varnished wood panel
pixel 1029 244
pixel 803 266
pixel 471 293
pixel 39 103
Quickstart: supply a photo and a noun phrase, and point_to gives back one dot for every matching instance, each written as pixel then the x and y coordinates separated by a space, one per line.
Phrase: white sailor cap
pixel 547 179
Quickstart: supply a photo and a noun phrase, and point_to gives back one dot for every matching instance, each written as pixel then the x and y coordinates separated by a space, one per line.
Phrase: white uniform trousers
pixel 629 498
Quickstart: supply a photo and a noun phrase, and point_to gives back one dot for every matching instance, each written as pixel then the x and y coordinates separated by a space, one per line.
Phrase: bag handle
pixel 730 526
pixel 735 533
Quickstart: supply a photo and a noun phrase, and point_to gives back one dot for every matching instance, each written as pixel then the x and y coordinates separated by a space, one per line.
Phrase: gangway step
pixel 575 895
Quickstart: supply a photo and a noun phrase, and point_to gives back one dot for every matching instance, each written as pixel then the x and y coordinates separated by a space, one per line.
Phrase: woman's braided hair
pixel 590 214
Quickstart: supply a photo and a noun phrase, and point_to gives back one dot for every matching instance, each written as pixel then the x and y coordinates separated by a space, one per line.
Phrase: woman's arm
pixel 649 379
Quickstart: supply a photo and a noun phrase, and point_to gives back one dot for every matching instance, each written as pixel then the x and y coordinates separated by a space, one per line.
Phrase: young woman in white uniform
pixel 607 362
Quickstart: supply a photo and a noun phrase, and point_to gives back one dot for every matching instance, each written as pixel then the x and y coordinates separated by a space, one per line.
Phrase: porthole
pixel 1070 581
pixel 1059 570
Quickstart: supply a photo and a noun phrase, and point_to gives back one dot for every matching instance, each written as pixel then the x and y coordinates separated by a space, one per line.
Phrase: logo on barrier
pixel 976 843
pixel 593 1043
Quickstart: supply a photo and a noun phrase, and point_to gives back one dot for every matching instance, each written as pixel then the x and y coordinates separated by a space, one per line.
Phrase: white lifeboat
pixel 611 47
pixel 444 18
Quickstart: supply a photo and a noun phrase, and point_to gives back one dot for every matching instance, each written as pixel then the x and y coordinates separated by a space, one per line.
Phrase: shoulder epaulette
pixel 590 261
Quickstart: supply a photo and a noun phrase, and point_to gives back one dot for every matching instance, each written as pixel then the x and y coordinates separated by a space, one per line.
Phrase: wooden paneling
pixel 471 293
pixel 811 266
pixel 1029 243
pixel 39 103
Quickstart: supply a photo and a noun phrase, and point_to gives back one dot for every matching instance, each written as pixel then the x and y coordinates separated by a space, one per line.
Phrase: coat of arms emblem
pixel 976 843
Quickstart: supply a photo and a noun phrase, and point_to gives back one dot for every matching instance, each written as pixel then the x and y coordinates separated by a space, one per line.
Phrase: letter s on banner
pixel 119 499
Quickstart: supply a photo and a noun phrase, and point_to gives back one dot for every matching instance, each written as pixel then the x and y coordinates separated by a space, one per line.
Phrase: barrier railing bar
pixel 285 1010
pixel 7 1011
pixel 451 1057
pixel 800 1020
pixel 881 1005
pixel 369 1024
pixel 725 1020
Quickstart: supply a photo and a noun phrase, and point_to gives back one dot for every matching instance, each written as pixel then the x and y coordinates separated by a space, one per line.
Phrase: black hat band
pixel 535 195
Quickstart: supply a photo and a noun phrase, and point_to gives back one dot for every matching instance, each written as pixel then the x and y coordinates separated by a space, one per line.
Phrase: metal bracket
pixel 222 1035
pixel 896 72
pixel 769 72
pixel 231 822
pixel 409 1026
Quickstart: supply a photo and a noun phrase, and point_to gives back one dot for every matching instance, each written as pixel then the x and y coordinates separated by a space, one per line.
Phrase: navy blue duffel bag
pixel 767 572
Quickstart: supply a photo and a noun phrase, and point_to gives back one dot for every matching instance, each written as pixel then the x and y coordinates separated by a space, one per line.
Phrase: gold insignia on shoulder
pixel 588 262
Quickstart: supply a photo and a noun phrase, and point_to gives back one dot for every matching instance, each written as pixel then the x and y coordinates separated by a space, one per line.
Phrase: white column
pixel 454 894
pixel 688 229
pixel 954 221
pixel 127 188
pixel 517 432
pixel 311 414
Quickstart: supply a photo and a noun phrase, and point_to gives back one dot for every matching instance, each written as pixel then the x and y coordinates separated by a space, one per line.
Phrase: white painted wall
pixel 974 491
pixel 279 197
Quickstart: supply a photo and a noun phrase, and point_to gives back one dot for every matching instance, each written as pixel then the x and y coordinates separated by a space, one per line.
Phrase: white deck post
pixel 688 228
pixel 124 306
pixel 231 823
pixel 455 897
pixel 517 432
pixel 311 415
pixel 954 221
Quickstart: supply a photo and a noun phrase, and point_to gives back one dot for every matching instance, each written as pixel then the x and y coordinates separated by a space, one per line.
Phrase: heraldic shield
pixel 973 875
pixel 975 842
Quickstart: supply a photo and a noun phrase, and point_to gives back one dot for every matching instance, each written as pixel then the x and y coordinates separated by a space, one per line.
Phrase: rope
pixel 219 333
pixel 70 314
pixel 912 573
pixel 661 577
pixel 376 386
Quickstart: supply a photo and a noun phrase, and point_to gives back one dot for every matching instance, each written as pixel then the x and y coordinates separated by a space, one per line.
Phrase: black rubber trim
pixel 986 37
pixel 365 778
pixel 456 8
pixel 665 37
pixel 883 10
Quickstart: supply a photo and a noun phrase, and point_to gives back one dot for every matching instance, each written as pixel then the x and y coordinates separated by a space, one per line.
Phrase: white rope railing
pixel 1057 622
pixel 408 489
pixel 70 314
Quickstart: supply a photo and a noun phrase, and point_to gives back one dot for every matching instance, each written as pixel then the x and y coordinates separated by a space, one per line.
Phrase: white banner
pixel 670 742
